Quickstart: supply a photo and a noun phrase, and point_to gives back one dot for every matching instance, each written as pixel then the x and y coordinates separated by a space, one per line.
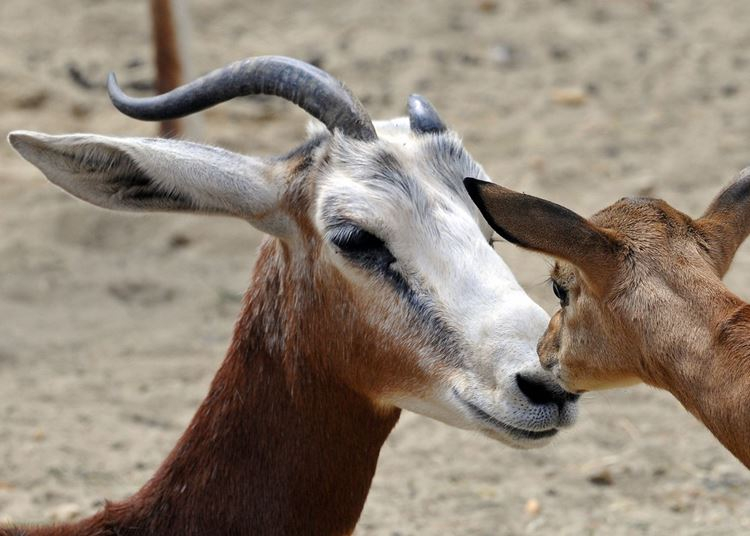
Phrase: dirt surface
pixel 111 325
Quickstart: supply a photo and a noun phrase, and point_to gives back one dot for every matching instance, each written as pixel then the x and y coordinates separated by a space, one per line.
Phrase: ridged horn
pixel 310 88
pixel 423 118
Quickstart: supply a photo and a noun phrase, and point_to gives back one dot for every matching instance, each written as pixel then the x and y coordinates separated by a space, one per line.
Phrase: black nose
pixel 539 392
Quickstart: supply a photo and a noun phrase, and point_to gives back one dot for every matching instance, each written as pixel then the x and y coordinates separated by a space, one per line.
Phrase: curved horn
pixel 310 88
pixel 423 118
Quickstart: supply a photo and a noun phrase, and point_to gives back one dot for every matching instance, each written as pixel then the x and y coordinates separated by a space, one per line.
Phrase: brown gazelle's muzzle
pixel 549 345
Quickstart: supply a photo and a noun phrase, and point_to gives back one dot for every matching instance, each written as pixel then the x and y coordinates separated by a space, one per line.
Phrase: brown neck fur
pixel 279 446
pixel 713 382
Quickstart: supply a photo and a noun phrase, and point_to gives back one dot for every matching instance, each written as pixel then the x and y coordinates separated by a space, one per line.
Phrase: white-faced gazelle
pixel 377 290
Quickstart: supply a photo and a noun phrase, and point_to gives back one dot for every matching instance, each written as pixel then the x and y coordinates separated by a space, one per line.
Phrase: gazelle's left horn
pixel 310 88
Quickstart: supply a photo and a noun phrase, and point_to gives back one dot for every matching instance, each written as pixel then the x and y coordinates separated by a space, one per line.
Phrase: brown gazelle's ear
pixel 726 223
pixel 540 225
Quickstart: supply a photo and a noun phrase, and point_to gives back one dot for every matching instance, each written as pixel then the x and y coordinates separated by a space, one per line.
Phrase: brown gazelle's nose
pixel 547 352
pixel 548 346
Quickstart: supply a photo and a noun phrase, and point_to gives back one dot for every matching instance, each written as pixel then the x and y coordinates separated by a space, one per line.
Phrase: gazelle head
pixel 386 278
pixel 639 283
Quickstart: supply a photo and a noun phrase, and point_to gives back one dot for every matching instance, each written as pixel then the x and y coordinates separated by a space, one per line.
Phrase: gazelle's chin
pixel 518 424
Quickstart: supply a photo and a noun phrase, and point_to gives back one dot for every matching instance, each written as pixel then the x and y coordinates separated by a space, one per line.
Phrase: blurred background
pixel 112 325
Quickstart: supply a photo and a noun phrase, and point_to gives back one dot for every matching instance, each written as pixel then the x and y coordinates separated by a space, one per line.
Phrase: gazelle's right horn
pixel 423 118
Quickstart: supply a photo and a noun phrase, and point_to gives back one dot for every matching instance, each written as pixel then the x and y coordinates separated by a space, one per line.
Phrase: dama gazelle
pixel 378 290
pixel 642 298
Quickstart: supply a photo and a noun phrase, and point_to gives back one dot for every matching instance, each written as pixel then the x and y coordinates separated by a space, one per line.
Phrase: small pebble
pixel 80 109
pixel 487 6
pixel 572 96
pixel 537 163
pixel 602 478
pixel 559 53
pixel 502 55
pixel 179 240
pixel 532 507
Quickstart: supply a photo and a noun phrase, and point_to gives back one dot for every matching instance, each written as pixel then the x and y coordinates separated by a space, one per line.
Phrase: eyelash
pixel 361 247
pixel 561 293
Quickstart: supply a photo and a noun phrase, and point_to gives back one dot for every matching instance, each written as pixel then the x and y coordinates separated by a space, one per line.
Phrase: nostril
pixel 534 390
pixel 539 392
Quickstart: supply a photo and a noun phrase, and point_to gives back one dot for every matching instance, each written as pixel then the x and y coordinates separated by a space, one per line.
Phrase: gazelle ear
pixel 143 174
pixel 540 225
pixel 726 222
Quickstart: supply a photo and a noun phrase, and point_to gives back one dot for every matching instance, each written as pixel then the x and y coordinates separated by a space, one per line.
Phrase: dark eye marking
pixel 361 247
pixel 561 293
pixel 370 252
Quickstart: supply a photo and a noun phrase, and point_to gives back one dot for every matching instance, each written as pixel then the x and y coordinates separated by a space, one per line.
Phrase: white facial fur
pixel 441 246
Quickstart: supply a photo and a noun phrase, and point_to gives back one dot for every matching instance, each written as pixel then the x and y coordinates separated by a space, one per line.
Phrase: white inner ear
pixel 144 174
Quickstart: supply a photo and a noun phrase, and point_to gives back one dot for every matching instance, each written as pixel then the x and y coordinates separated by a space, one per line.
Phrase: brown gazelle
pixel 642 298
pixel 378 290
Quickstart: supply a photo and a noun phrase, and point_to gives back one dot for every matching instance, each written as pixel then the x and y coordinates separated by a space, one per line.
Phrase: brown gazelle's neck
pixel 714 384
pixel 275 448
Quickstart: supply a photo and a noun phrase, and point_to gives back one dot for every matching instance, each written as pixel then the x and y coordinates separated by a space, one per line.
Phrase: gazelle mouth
pixel 494 424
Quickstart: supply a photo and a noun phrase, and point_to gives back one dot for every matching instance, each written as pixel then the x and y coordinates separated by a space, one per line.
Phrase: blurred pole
pixel 171 23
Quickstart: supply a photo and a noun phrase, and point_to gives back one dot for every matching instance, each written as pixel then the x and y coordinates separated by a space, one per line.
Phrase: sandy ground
pixel 112 325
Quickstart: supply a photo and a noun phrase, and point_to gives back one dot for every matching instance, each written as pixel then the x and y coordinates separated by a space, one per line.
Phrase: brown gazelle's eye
pixel 561 293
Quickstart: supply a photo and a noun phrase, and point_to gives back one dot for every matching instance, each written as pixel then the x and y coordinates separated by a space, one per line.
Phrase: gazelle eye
pixel 361 246
pixel 561 293
pixel 352 239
